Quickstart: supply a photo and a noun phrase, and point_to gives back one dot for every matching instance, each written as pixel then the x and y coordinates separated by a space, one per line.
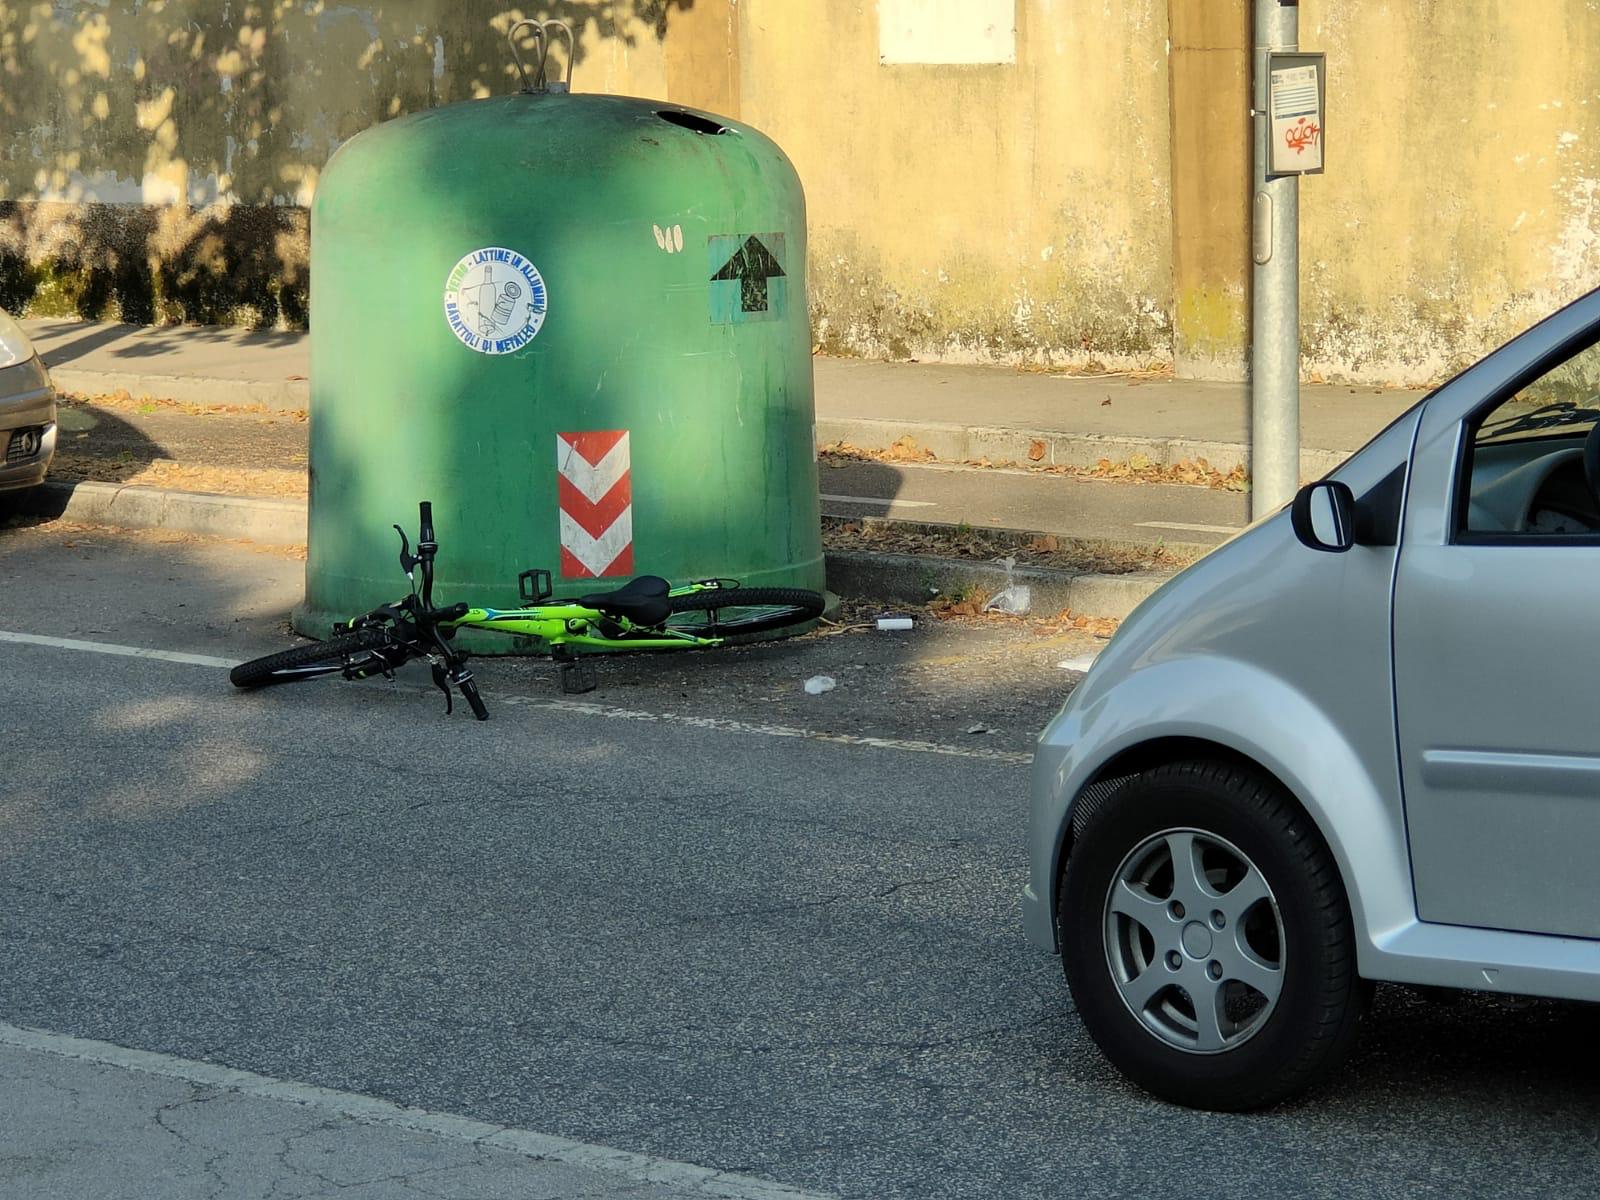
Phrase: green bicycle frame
pixel 574 625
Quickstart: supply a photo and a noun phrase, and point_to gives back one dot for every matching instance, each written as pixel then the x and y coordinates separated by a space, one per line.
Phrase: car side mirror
pixel 1323 516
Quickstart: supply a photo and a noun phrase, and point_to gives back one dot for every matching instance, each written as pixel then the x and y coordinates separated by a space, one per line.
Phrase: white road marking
pixel 887 503
pixel 369 1110
pixel 1189 528
pixel 583 709
pixel 782 731
pixel 194 660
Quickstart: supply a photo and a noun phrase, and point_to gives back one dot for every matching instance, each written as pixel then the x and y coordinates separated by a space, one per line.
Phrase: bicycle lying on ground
pixel 646 613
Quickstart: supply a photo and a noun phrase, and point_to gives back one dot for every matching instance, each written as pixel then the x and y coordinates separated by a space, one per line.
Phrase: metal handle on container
pixel 564 84
pixel 541 32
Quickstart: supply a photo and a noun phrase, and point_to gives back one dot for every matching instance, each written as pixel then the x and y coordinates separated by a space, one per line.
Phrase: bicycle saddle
pixel 642 601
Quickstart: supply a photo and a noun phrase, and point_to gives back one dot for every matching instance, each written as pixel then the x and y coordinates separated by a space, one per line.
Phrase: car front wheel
pixel 1207 939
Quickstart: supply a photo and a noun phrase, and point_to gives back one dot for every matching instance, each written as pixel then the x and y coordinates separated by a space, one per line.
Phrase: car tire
pixel 1230 985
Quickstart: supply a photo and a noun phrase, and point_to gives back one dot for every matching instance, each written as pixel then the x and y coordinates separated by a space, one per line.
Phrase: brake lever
pixel 408 561
pixel 442 682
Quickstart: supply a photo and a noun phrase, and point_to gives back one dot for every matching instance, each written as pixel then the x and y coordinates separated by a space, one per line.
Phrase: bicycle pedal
pixel 577 677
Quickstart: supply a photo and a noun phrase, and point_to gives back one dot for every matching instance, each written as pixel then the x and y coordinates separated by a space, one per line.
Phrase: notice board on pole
pixel 1296 112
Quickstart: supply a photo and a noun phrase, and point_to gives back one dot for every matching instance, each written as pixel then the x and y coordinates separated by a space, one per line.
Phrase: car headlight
pixel 14 344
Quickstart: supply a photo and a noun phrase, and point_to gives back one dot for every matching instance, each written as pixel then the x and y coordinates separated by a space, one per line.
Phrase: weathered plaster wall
pixel 1078 201
pixel 156 155
pixel 1209 72
pixel 1462 199
pixel 1015 212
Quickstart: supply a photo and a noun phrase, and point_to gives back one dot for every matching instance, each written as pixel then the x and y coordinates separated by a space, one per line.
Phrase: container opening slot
pixel 691 121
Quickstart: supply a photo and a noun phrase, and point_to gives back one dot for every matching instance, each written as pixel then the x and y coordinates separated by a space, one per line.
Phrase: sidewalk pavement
pixel 957 412
pixel 84 1120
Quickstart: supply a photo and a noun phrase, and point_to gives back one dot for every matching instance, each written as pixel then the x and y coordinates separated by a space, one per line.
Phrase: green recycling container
pixel 576 323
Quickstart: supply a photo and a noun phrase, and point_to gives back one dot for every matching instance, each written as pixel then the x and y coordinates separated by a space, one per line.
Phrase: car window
pixel 1525 465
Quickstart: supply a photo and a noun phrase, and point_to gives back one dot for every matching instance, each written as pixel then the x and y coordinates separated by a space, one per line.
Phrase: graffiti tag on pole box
pixel 1301 134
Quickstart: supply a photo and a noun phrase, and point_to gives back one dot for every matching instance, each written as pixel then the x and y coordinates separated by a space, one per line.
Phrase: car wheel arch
pixel 1136 760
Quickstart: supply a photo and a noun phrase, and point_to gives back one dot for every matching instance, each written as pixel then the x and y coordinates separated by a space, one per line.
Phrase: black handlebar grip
pixel 469 692
pixel 425 530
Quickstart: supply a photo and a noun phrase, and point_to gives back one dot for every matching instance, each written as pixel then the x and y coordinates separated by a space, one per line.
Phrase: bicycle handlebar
pixel 428 620
pixel 427 547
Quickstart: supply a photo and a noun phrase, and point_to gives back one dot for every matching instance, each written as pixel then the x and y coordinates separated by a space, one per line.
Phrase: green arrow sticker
pixel 748 281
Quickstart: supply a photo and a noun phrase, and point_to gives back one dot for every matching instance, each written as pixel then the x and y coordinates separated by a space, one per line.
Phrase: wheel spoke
pixel 1140 906
pixel 1208 1016
pixel 1188 873
pixel 1243 896
pixel 1143 988
pixel 1250 969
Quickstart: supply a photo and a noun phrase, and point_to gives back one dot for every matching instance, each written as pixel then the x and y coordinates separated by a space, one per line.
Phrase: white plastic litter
pixel 1015 598
pixel 1081 663
pixel 818 684
pixel 894 622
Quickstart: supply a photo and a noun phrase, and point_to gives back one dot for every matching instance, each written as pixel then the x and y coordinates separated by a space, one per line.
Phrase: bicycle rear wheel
pixel 368 651
pixel 735 612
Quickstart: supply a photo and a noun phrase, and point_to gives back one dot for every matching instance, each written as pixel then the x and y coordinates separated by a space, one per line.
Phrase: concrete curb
pixel 914 579
pixel 895 578
pixel 253 518
pixel 961 443
pixel 950 443
pixel 287 395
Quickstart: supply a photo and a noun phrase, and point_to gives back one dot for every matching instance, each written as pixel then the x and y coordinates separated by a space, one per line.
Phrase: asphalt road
pixel 665 923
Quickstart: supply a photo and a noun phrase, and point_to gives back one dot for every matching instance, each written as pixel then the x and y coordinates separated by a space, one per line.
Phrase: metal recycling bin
pixel 578 325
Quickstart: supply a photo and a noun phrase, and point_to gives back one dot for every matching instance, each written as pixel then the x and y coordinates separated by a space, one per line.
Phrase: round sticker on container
pixel 495 300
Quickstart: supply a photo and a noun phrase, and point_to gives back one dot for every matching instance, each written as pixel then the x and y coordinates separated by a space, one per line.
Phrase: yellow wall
pixel 174 101
pixel 1080 203
pixel 156 156
pixel 977 211
pixel 1462 195
pixel 1209 79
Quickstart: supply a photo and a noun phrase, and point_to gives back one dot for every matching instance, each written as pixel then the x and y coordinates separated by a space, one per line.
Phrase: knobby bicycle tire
pixel 309 661
pixel 734 612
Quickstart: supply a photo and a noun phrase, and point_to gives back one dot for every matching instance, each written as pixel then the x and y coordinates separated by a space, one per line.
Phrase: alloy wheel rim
pixel 1194 941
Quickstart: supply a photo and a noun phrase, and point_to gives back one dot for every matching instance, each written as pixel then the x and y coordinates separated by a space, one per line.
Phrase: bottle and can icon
pixel 495 303
pixel 495 300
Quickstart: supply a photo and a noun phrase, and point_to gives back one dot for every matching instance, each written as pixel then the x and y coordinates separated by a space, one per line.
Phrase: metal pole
pixel 1275 296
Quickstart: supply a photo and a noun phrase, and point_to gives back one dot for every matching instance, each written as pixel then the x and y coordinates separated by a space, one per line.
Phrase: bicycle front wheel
pixel 736 612
pixel 369 651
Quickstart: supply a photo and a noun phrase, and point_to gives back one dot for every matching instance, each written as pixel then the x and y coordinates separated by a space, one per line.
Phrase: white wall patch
pixel 947 31
pixel 495 300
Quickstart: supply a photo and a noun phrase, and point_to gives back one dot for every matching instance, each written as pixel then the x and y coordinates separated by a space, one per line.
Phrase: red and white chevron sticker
pixel 595 491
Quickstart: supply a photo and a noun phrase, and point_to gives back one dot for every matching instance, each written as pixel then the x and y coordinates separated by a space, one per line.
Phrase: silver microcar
pixel 27 411
pixel 1358 742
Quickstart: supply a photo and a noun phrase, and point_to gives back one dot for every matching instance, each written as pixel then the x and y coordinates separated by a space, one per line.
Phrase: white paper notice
pixel 947 31
pixel 1296 123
